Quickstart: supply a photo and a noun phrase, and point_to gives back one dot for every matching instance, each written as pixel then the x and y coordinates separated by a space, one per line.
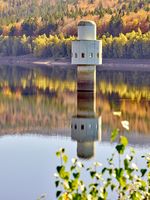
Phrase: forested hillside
pixel 27 20
pixel 34 17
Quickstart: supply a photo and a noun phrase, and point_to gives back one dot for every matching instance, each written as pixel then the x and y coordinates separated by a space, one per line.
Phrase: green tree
pixel 12 31
pixel 115 26
pixel 29 27
pixel 1 30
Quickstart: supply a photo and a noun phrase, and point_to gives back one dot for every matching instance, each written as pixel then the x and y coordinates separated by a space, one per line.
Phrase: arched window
pixel 82 126
pixel 76 55
pixel 75 126
pixel 91 55
pixel 82 55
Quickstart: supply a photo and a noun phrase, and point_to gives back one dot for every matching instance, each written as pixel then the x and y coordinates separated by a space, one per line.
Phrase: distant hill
pixel 35 17
pixel 46 28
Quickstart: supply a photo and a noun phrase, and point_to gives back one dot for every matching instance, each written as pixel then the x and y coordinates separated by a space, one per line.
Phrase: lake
pixel 37 108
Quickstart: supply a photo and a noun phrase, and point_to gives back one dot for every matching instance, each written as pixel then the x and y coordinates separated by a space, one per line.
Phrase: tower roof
pixel 86 23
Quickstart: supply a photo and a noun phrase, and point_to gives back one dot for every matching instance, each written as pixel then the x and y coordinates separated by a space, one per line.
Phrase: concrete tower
pixel 86 54
pixel 87 50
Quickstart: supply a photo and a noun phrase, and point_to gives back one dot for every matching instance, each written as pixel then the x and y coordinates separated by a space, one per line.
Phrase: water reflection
pixel 31 100
pixel 86 126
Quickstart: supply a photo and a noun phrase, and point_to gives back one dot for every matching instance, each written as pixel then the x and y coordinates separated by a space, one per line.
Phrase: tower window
pixel 76 55
pixel 82 55
pixel 91 55
pixel 75 126
pixel 82 127
pixel 97 55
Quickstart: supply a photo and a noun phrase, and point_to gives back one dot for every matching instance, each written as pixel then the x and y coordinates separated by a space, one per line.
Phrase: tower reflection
pixel 86 54
pixel 86 125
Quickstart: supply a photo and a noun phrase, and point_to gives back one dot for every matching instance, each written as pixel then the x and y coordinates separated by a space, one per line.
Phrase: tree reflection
pixel 31 99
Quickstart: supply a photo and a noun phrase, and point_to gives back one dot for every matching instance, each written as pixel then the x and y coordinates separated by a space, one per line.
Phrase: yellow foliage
pixel 7 92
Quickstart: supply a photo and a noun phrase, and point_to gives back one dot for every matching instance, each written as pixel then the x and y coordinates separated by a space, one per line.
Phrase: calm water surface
pixel 36 108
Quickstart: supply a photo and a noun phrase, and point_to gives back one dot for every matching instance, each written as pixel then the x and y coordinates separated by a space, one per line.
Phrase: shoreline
pixel 108 64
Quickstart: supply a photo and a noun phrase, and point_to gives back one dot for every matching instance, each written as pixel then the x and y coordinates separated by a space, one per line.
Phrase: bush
pixel 125 181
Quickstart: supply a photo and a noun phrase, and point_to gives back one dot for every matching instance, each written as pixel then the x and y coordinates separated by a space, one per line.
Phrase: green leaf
pixel 110 171
pixel 73 184
pixel 119 173
pixel 120 148
pixel 56 183
pixel 72 167
pixel 104 194
pixel 123 140
pixel 94 192
pixel 62 173
pixel 143 171
pixel 58 193
pixel 112 187
pixel 89 168
pixel 122 181
pixel 136 195
pixel 92 173
pixel 114 134
pixel 129 172
pixel 143 183
pixel 66 175
pixel 59 168
pixel 65 158
pixel 103 170
pixel 58 153
pixel 77 196
pixel 93 185
pixel 126 164
pixel 76 175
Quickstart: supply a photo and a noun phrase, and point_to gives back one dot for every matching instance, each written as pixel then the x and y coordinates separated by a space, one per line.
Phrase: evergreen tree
pixel 115 26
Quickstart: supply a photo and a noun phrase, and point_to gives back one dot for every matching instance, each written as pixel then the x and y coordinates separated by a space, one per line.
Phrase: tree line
pixel 13 10
pixel 20 17
pixel 130 45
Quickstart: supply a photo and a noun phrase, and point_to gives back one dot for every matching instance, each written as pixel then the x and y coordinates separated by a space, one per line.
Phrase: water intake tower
pixel 86 54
